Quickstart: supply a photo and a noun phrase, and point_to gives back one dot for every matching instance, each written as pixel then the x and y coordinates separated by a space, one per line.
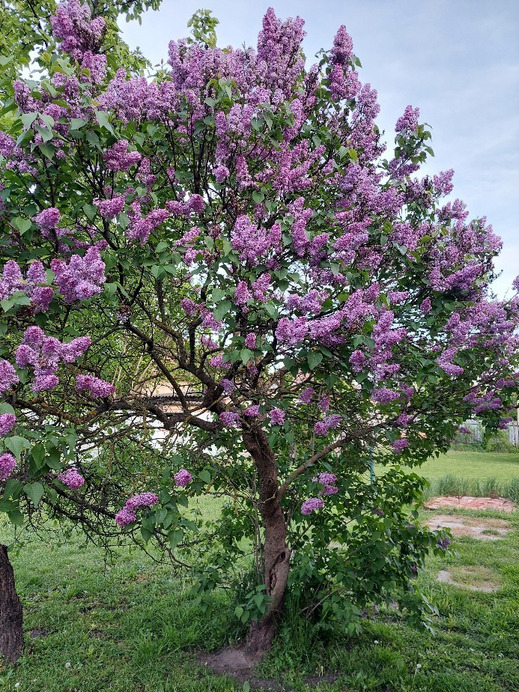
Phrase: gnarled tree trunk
pixel 11 617
pixel 276 554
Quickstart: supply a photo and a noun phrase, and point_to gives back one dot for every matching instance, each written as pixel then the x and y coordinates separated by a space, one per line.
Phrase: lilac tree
pixel 226 253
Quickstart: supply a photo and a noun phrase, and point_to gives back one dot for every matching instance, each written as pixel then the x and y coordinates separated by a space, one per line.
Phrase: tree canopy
pixel 220 282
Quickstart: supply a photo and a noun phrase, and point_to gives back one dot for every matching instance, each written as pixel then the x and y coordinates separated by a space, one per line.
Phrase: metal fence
pixel 475 433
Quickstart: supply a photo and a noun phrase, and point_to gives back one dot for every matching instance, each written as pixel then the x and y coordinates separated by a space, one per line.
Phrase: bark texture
pixel 276 554
pixel 11 617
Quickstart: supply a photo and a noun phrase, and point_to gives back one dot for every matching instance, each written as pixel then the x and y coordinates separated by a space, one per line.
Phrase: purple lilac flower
pixel 443 543
pixel 82 277
pixel 227 386
pixel 330 490
pixel 117 158
pixel 110 208
pixel 230 419
pixel 292 331
pixel 242 293
pixel 384 396
pixel 425 306
pixel 7 465
pixel 182 478
pixel 311 505
pixel 400 445
pixel 325 478
pixel 142 500
pixel 221 173
pixel 72 478
pixel 379 512
pixel 408 122
pixel 250 340
pixel 94 385
pixel 96 64
pixel 357 360
pixel 74 27
pixel 47 219
pixel 8 376
pixel 188 306
pixel 277 416
pixel 7 423
pixel 125 516
pixel 252 411
pixel 329 423
pixel 306 395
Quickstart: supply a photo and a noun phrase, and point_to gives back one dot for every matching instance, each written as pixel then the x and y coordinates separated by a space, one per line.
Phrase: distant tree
pixel 223 254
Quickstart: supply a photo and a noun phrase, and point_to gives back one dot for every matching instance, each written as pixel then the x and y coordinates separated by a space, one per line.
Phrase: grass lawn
pixel 131 625
pixel 473 473
pixel 473 466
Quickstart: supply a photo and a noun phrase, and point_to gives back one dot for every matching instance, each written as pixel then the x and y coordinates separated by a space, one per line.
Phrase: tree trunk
pixel 276 555
pixel 11 617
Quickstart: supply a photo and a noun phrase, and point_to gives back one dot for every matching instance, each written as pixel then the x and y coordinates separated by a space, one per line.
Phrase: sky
pixel 457 60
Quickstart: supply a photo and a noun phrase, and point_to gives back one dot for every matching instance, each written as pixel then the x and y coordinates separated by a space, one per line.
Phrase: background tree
pixel 223 253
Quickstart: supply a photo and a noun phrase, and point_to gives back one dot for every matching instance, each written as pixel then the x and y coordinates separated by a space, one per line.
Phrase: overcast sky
pixel 457 60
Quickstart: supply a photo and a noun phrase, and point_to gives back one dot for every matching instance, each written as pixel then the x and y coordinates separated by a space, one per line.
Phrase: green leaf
pixel 102 119
pixel 175 537
pixel 48 120
pixel 245 355
pixel 21 224
pixel 47 150
pixel 314 358
pixel 38 454
pixel 146 534
pixel 222 310
pixel 15 517
pixel 7 506
pixel 12 489
pixel 77 123
pixel 158 271
pixel 28 119
pixel 45 132
pixel 34 492
pixel 16 445
pixel 205 476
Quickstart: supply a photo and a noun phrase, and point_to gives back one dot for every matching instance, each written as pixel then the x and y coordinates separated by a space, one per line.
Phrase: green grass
pixel 473 466
pixel 131 625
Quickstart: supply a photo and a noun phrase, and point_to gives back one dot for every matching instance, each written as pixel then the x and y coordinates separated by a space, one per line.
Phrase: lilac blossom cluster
pixel 141 227
pixel 7 465
pixel 311 505
pixel 230 419
pixel 127 515
pixel 71 478
pixel 45 353
pixel 327 480
pixel 7 423
pixel 82 277
pixel 277 416
pixel 13 281
pixel 110 208
pixel 96 387
pixel 252 242
pixel 182 478
pixel 8 376
pixel 329 423
pixel 74 27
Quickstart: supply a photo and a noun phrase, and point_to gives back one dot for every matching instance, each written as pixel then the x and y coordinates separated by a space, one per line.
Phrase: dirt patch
pixel 470 577
pixel 239 665
pixel 475 527
pixel 498 504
